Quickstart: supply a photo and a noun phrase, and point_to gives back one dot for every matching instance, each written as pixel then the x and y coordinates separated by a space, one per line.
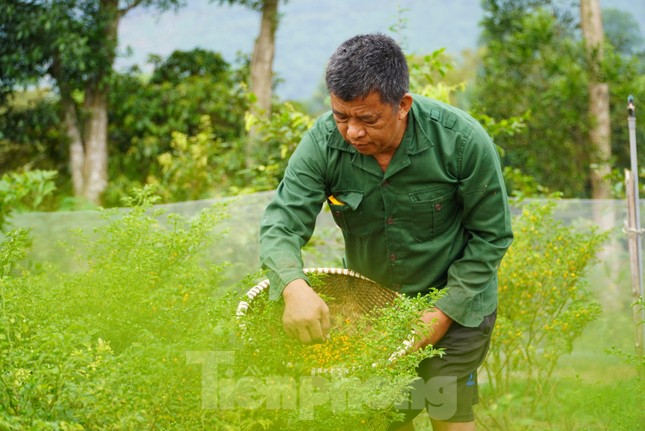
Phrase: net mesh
pixel 240 246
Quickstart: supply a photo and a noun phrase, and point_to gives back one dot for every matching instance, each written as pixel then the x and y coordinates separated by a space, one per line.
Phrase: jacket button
pixel 437 207
pixel 337 213
pixel 393 257
pixel 390 220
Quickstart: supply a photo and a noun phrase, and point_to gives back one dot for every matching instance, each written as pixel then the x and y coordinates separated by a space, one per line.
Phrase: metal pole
pixel 634 229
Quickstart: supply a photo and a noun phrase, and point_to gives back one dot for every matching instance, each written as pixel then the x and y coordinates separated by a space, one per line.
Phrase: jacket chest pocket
pixel 432 211
pixel 348 213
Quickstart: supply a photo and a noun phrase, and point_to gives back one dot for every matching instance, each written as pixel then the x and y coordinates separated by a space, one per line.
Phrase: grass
pixel 573 404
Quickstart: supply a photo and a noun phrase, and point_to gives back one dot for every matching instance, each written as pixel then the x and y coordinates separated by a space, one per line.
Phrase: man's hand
pixel 438 324
pixel 306 316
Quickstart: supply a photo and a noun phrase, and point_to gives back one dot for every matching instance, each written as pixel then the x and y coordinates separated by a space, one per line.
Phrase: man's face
pixel 372 127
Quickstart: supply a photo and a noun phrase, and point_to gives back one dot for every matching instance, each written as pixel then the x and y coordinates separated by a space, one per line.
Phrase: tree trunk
pixel 262 75
pixel 599 134
pixel 95 172
pixel 95 164
pixel 262 58
pixel 600 138
pixel 76 149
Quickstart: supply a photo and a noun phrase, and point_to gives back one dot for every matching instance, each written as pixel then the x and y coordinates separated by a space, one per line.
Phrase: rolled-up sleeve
pixel 289 220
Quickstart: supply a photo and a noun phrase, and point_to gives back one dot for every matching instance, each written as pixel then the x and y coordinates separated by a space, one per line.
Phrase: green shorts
pixel 447 385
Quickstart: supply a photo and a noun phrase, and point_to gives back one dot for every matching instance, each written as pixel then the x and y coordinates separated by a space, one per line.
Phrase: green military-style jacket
pixel 437 217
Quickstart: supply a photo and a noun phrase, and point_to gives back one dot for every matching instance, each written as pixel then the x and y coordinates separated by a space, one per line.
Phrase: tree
pixel 532 68
pixel 145 114
pixel 535 66
pixel 622 31
pixel 72 43
pixel 261 79
pixel 599 133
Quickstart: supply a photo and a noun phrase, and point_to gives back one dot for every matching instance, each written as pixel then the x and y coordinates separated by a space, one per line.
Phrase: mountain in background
pixel 309 31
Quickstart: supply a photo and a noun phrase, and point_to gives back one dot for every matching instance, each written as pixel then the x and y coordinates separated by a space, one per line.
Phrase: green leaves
pixel 24 191
pixel 535 62
pixel 202 100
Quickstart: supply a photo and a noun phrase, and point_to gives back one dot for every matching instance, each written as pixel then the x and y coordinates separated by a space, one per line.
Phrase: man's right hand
pixel 306 315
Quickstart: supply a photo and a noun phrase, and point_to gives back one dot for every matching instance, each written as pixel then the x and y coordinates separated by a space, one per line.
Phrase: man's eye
pixel 341 119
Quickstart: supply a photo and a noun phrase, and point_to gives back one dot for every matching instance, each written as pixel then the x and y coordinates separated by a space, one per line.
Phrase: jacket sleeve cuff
pixel 459 307
pixel 277 282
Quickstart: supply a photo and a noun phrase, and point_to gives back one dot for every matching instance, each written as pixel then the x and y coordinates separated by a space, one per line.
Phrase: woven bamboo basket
pixel 347 293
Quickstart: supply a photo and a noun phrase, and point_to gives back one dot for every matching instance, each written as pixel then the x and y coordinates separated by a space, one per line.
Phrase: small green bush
pixel 543 308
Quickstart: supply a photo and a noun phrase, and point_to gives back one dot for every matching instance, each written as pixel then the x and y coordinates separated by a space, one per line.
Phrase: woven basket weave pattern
pixel 347 293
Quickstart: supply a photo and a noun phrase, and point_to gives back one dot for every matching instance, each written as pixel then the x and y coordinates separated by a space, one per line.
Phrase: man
pixel 417 190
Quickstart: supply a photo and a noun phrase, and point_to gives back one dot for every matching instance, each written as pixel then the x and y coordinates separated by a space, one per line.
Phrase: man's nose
pixel 355 130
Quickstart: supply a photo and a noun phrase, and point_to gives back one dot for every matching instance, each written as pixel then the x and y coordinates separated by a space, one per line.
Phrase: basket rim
pixel 254 291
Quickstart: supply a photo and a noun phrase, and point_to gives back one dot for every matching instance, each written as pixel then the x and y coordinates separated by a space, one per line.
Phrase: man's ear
pixel 405 105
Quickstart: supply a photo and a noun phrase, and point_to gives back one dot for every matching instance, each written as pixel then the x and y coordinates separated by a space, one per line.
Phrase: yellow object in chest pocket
pixel 334 201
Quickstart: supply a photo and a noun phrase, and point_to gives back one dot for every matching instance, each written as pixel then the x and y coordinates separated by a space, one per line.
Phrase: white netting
pixel 609 279
pixel 241 231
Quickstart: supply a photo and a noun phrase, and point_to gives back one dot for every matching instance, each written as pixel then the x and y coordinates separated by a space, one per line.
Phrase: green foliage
pixel 146 118
pixel 279 135
pixel 535 63
pixel 122 339
pixel 544 307
pixel 201 164
pixel 521 186
pixel 68 40
pixel 103 346
pixel 534 66
pixel 30 132
pixel 20 191
pixel 197 167
pixel 72 44
pixel 183 64
pixel 627 78
pixel 111 344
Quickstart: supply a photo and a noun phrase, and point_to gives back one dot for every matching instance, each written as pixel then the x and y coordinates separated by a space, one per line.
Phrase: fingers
pixel 314 330
pixel 325 322
pixel 304 336
pixel 291 330
pixel 307 332
pixel 306 315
